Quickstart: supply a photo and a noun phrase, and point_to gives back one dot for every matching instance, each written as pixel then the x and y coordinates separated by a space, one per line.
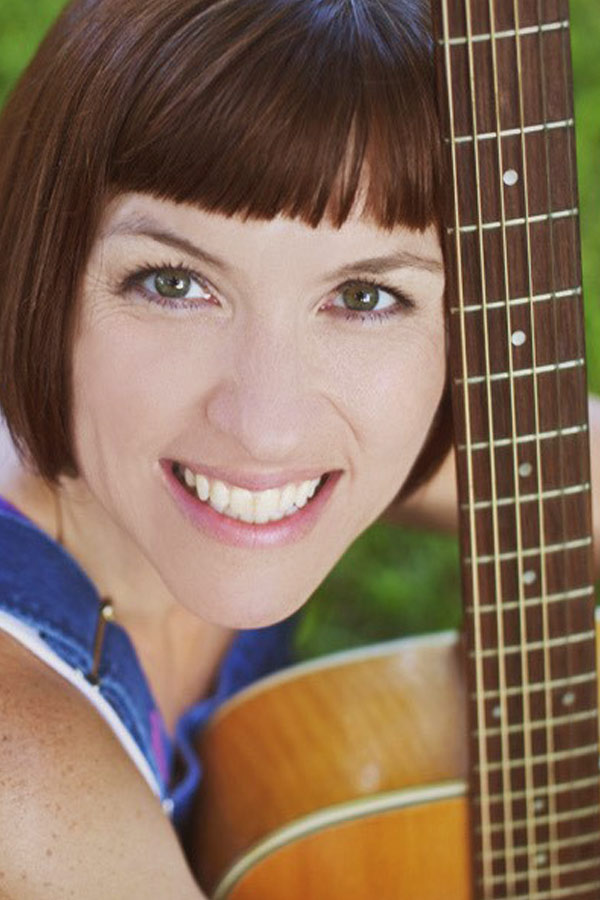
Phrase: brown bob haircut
pixel 245 107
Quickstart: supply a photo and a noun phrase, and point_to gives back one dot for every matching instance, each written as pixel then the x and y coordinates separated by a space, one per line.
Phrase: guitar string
pixel 500 656
pixel 483 773
pixel 532 839
pixel 566 560
pixel 531 829
pixel 509 862
pixel 488 877
pixel 508 830
pixel 565 56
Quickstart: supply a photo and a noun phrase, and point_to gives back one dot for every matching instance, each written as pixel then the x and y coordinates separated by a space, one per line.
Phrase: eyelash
pixel 403 302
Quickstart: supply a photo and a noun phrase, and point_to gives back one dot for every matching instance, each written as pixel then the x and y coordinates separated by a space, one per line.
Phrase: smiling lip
pixel 242 534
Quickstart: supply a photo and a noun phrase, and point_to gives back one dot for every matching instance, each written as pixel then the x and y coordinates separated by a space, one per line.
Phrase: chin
pixel 230 604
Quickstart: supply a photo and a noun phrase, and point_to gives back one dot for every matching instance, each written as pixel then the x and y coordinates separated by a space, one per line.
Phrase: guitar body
pixel 348 758
pixel 341 778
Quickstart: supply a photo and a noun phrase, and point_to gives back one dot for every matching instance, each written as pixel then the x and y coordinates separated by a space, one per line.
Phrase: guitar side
pixel 358 856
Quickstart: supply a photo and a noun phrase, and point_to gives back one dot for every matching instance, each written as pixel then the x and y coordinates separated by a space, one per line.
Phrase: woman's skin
pixel 434 505
pixel 261 376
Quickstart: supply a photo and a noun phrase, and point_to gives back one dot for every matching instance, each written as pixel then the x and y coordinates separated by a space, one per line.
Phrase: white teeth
pixel 313 487
pixel 219 496
pixel 202 487
pixel 254 507
pixel 241 503
pixel 287 497
pixel 302 494
pixel 266 504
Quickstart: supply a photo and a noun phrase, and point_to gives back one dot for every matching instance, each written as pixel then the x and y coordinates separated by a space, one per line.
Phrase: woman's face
pixel 256 356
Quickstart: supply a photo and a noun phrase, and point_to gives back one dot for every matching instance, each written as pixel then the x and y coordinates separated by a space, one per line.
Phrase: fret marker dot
pixel 518 338
pixel 568 698
pixel 541 859
pixel 496 712
pixel 529 577
pixel 539 805
pixel 510 177
pixel 525 470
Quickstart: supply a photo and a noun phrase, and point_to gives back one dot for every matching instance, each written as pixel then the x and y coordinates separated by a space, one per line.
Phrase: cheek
pixel 393 410
pixel 130 384
pixel 399 393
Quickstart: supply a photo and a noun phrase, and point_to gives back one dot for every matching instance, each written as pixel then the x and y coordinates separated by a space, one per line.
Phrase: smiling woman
pixel 253 378
pixel 222 358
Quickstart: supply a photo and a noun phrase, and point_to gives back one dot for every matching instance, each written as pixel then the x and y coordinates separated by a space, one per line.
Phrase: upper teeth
pixel 255 507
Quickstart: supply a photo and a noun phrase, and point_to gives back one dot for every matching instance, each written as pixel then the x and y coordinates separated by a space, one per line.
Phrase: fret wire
pixel 560 787
pixel 520 220
pixel 521 301
pixel 541 758
pixel 498 35
pixel 522 373
pixel 556 893
pixel 491 431
pixel 557 722
pixel 577 638
pixel 534 551
pixel 558 597
pixel 479 679
pixel 515 132
pixel 533 686
pixel 553 868
pixel 571 490
pixel 526 438
pixel 558 844
pixel 582 812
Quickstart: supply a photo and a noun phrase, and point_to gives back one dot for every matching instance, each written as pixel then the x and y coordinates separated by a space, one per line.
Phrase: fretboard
pixel 520 408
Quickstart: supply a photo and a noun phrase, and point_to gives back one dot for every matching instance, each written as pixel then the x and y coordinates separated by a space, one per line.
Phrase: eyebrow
pixel 374 265
pixel 142 227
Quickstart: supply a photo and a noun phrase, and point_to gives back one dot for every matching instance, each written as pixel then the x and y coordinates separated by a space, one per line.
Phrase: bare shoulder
pixel 76 818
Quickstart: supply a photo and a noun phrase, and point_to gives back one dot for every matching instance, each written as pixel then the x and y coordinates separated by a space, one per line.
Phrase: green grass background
pixel 393 581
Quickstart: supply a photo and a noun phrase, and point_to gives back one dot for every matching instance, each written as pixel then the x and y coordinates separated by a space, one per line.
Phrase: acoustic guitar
pixel 458 768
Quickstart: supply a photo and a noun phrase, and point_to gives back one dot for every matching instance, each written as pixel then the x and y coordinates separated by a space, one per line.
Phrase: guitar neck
pixel 511 241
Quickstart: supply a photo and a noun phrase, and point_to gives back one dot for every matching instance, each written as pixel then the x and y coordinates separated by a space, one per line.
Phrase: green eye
pixel 367 301
pixel 169 284
pixel 172 283
pixel 361 297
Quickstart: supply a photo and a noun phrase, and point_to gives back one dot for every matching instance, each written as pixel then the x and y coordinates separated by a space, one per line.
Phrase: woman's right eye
pixel 173 284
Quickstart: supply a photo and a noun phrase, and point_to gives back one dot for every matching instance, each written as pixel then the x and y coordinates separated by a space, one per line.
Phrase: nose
pixel 265 399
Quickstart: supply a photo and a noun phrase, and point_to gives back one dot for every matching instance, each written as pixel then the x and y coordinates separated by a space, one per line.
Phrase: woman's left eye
pixel 173 284
pixel 365 300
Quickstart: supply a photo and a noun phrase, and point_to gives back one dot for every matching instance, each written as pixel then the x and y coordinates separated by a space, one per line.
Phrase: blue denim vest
pixel 46 593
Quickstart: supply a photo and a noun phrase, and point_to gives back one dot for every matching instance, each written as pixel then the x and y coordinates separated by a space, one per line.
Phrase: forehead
pixel 232 242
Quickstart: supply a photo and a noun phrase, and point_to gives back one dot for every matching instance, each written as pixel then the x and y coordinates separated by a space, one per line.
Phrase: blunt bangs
pixel 291 107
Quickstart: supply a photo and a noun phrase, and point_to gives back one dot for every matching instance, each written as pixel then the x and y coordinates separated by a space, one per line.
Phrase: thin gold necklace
pixel 106 610
pixel 58 519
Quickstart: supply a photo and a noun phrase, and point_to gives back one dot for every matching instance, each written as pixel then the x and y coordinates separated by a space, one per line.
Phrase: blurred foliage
pixel 22 24
pixel 393 581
